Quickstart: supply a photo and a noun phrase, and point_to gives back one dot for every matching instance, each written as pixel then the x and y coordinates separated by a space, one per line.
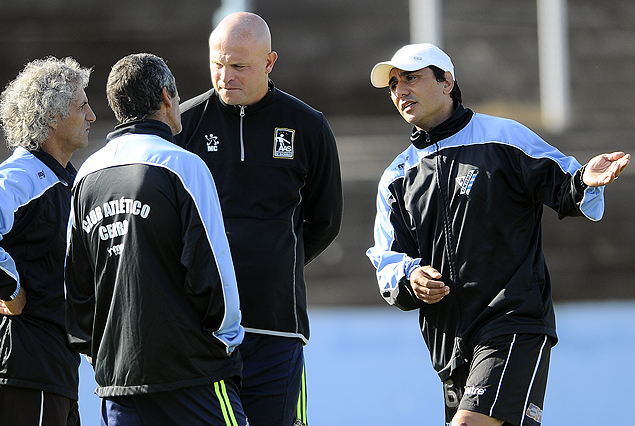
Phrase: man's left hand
pixel 605 168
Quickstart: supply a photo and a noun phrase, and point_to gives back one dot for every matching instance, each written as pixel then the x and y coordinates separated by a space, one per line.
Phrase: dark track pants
pixel 274 387
pixel 217 404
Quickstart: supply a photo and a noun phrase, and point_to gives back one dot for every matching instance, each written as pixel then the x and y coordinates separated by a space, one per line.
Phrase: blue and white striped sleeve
pixel 391 265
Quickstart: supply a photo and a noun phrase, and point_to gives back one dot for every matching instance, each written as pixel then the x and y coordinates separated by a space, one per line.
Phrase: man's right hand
pixel 15 306
pixel 426 284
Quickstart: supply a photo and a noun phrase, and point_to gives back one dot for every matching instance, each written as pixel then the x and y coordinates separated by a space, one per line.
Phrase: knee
pixel 471 418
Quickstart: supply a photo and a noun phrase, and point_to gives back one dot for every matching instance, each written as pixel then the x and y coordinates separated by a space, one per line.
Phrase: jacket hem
pixel 278 333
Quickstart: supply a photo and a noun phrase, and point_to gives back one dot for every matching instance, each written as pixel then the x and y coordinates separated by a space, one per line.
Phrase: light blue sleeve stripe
pixel 23 178
pixel 199 182
pixel 391 266
pixel 490 129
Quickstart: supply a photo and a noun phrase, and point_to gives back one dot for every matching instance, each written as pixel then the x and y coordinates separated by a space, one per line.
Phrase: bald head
pixel 242 27
pixel 241 58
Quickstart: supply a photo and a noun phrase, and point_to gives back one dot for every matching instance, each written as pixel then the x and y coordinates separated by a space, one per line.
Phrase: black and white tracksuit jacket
pixel 35 200
pixel 467 198
pixel 277 171
pixel 151 291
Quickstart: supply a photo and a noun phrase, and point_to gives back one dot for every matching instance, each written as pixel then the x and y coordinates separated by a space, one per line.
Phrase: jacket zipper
pixel 242 143
pixel 447 229
pixel 447 226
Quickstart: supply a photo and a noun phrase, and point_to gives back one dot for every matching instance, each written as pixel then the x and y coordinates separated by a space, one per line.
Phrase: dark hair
pixel 135 85
pixel 439 74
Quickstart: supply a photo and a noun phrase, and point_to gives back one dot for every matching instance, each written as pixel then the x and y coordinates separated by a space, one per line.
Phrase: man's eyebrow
pixel 401 74
pixel 405 73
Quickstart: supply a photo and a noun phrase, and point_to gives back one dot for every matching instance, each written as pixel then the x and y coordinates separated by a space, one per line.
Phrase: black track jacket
pixel 35 200
pixel 277 171
pixel 151 290
pixel 467 198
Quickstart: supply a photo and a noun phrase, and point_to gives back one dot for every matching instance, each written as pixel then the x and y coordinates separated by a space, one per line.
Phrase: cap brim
pixel 380 74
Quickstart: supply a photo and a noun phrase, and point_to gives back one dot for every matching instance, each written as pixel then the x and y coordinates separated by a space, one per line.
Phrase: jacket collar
pixel 457 121
pixel 66 175
pixel 264 102
pixel 145 127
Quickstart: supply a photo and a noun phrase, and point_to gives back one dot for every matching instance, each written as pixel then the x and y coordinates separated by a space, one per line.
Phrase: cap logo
pixel 417 58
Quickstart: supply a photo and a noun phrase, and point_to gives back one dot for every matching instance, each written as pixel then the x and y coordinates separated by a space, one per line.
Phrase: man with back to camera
pixel 457 236
pixel 45 117
pixel 151 291
pixel 276 167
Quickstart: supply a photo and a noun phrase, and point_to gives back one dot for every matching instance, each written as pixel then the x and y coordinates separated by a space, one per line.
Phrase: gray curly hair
pixel 43 90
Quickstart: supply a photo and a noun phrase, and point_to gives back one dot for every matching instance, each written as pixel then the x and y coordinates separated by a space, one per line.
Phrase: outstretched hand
pixel 605 168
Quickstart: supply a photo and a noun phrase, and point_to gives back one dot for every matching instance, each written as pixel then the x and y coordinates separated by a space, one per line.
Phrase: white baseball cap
pixel 411 57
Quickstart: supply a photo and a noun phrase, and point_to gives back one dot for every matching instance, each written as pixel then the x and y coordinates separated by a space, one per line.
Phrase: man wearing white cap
pixel 458 236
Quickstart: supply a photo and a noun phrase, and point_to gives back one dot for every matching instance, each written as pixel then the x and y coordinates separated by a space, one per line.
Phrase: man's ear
pixel 448 84
pixel 165 98
pixel 52 122
pixel 272 57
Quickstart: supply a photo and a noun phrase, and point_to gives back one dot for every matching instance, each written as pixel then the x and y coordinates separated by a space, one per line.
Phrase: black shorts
pixel 506 380
pixel 32 407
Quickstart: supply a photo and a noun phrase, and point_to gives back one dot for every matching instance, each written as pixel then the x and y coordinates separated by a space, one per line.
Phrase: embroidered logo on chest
pixel 283 143
pixel 466 182
pixel 212 142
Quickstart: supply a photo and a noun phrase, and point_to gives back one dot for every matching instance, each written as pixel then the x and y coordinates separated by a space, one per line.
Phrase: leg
pixel 32 407
pixel 59 410
pixel 506 381
pixel 272 379
pixel 119 411
pixel 301 418
pixel 73 415
pixel 471 418
pixel 216 404
pixel 20 406
pixel 453 392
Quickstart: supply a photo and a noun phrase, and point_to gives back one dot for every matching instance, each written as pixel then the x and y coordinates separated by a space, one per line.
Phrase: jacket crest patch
pixel 283 143
pixel 466 182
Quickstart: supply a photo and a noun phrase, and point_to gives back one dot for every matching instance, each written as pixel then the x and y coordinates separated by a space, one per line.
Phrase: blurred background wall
pixel 326 51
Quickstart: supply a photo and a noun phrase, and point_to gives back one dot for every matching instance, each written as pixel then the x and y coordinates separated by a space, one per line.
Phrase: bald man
pixel 276 167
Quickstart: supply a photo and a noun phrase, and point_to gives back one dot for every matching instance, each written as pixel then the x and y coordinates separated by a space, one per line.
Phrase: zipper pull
pixel 242 142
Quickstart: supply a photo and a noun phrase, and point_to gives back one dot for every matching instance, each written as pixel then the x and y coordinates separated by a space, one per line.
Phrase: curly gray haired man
pixel 43 90
pixel 45 117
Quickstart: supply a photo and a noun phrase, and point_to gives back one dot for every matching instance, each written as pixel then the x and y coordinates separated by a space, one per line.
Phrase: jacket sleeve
pixel 79 282
pixel 394 254
pixel 210 279
pixel 16 190
pixel 554 179
pixel 323 196
pixel 10 279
